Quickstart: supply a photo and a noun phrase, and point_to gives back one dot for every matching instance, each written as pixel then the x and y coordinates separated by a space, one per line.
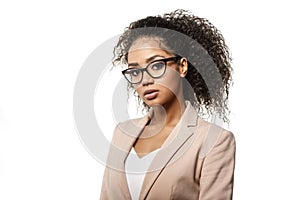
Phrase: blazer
pixel 196 161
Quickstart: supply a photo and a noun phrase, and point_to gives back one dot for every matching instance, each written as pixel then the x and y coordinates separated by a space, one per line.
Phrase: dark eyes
pixel 157 65
pixel 134 72
pixel 155 69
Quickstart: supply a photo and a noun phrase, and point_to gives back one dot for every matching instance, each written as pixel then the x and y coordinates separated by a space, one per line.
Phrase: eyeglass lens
pixel 155 70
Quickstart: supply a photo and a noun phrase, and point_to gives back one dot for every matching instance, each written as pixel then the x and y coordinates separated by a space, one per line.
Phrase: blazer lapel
pixel 174 146
pixel 126 133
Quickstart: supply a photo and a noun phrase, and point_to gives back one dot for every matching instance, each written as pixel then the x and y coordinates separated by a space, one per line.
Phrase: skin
pixel 167 99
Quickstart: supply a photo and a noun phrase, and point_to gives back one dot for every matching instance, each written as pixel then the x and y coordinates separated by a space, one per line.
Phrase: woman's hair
pixel 209 70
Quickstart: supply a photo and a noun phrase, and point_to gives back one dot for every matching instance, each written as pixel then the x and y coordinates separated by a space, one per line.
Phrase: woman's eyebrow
pixel 133 64
pixel 147 60
pixel 153 57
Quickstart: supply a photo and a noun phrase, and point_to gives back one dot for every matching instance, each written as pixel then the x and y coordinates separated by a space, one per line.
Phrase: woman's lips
pixel 150 94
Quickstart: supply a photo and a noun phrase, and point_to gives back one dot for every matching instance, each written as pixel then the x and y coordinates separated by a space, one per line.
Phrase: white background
pixel 43 45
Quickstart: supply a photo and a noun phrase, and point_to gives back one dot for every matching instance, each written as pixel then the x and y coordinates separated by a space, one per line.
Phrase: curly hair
pixel 209 73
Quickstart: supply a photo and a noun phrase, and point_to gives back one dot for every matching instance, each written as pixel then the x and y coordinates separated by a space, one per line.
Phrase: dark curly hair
pixel 209 70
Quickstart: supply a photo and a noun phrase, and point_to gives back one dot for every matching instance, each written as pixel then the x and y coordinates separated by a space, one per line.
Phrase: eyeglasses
pixel 155 69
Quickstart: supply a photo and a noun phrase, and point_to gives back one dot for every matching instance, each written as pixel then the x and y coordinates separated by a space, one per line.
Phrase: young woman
pixel 179 66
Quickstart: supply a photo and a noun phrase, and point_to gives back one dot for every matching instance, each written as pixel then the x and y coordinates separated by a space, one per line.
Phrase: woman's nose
pixel 147 79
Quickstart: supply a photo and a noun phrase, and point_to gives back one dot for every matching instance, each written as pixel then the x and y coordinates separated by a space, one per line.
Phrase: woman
pixel 179 66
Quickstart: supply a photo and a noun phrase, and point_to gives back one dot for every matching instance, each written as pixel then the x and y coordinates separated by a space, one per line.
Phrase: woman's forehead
pixel 145 47
pixel 144 43
pixel 142 55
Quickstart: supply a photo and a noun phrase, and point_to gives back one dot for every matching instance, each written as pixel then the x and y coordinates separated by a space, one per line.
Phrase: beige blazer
pixel 195 162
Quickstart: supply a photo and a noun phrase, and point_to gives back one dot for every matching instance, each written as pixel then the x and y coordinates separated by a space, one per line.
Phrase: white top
pixel 136 169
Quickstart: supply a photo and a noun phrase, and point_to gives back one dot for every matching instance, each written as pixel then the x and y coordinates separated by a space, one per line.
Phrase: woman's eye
pixel 135 72
pixel 157 66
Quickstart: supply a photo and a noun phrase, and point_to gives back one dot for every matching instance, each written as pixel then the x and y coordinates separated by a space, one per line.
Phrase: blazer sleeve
pixel 216 181
pixel 104 188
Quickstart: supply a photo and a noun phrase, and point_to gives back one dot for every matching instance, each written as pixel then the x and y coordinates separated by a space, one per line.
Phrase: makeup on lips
pixel 150 94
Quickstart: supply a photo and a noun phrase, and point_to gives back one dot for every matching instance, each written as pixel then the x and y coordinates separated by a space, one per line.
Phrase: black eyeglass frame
pixel 165 60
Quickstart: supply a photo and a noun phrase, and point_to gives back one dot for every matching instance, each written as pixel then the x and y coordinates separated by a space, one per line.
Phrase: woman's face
pixel 164 90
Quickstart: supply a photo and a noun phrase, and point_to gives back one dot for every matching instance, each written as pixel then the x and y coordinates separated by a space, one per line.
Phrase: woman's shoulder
pixel 215 136
pixel 132 123
pixel 129 128
pixel 214 127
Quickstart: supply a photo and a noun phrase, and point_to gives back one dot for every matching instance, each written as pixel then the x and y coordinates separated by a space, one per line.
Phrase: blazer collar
pixel 176 144
pixel 125 135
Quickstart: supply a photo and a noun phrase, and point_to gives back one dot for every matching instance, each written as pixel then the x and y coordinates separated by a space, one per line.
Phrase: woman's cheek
pixel 140 93
pixel 171 81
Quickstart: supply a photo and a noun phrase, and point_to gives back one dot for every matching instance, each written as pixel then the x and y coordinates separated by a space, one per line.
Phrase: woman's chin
pixel 152 103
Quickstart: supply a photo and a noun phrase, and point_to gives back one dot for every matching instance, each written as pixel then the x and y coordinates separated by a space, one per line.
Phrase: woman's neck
pixel 167 116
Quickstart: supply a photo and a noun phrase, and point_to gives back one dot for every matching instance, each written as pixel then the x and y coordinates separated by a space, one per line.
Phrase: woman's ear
pixel 183 67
